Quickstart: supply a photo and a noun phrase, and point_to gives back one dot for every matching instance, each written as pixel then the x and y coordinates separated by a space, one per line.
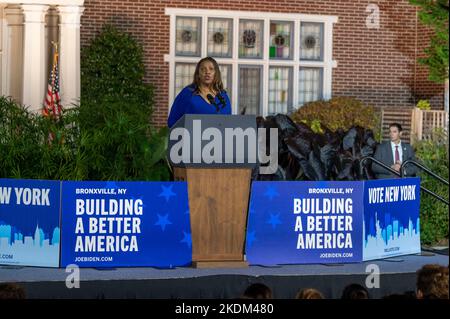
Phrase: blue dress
pixel 188 102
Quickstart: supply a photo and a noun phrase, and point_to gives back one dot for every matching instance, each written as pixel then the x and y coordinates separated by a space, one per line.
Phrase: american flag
pixel 52 103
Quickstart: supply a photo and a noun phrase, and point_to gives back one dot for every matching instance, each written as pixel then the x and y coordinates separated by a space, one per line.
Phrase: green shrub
pixel 112 68
pixel 433 213
pixel 117 140
pixel 19 136
pixel 339 112
pixel 25 147
pixel 423 105
pixel 107 137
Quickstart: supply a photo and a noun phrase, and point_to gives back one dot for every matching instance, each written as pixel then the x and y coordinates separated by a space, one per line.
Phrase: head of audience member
pixel 257 291
pixel 309 293
pixel 11 291
pixel 406 295
pixel 432 282
pixel 355 291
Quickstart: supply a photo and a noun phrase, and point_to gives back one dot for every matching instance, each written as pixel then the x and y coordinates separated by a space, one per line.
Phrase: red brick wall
pixel 375 65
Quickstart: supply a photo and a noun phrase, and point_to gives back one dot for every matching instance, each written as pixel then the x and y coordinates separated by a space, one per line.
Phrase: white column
pixel 35 48
pixel 51 34
pixel 12 53
pixel 2 48
pixel 69 49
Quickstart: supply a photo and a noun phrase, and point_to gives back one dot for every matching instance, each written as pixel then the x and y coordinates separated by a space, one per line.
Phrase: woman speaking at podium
pixel 205 95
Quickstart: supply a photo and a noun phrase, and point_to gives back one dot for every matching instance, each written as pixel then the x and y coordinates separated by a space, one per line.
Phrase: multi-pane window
pixel 269 64
pixel 280 90
pixel 311 41
pixel 310 85
pixel 184 75
pixel 225 71
pixel 220 35
pixel 251 38
pixel 188 42
pixel 250 90
pixel 280 40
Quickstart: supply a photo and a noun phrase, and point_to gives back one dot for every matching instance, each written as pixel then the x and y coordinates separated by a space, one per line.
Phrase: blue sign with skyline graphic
pixel 29 222
pixel 305 222
pixel 391 218
pixel 126 224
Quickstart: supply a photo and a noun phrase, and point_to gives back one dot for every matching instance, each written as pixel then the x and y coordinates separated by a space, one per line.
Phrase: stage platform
pixel 398 275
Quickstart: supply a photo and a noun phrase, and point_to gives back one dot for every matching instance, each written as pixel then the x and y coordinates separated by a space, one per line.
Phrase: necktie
pixel 397 154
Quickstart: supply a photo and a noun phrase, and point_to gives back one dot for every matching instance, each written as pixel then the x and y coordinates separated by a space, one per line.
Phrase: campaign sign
pixel 391 218
pixel 29 222
pixel 126 224
pixel 305 222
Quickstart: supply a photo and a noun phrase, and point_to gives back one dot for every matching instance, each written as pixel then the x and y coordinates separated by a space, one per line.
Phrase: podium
pixel 218 182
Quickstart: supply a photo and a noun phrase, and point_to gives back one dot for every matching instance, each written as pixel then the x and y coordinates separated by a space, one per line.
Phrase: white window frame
pixel 327 64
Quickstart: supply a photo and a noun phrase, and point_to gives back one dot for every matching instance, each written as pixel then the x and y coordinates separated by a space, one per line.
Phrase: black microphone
pixel 212 101
pixel 222 100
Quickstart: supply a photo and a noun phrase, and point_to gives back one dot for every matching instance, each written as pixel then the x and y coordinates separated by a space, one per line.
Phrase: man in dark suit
pixel 393 153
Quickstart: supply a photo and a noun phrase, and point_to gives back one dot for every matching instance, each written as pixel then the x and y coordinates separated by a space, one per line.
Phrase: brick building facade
pixel 364 49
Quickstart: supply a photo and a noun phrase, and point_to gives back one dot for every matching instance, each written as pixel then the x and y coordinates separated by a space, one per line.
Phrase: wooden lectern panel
pixel 218 202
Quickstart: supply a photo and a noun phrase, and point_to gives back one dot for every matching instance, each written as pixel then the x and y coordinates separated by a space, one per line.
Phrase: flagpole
pixel 52 97
pixel 56 54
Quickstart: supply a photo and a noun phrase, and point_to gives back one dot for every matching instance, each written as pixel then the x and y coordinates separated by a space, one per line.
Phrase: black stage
pixel 397 276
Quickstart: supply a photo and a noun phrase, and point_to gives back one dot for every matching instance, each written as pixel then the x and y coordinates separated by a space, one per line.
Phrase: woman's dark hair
pixel 432 281
pixel 309 293
pixel 257 291
pixel 217 83
pixel 11 291
pixel 355 291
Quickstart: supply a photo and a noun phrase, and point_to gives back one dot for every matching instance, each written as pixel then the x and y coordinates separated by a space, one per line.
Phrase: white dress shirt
pixel 400 151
